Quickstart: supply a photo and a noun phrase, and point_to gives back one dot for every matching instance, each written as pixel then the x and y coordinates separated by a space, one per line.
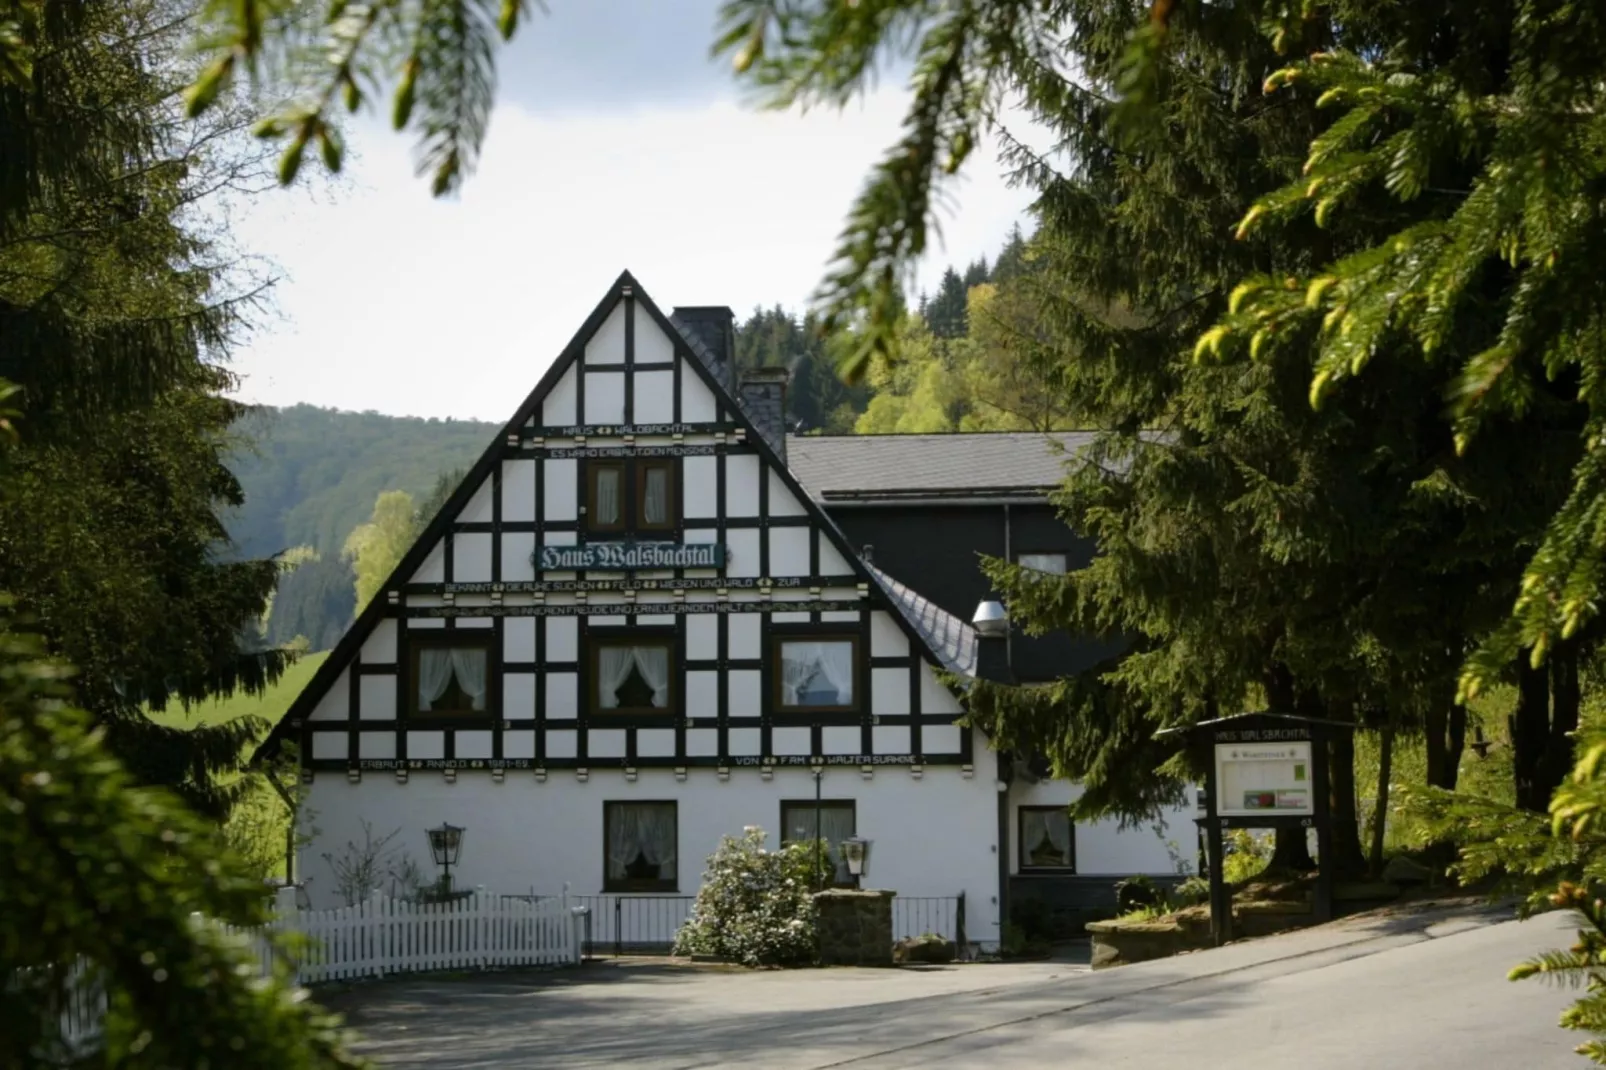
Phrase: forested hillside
pixel 313 476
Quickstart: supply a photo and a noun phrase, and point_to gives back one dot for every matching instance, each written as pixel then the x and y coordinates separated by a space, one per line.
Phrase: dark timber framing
pixel 482 608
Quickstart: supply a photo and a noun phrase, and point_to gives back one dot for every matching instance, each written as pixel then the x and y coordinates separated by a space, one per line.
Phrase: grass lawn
pixel 256 827
pixel 270 705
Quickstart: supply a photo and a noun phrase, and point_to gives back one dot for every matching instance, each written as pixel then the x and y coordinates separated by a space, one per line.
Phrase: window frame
pixel 628 885
pixel 596 640
pixel 594 468
pixel 1065 559
pixel 778 641
pixel 475 638
pixel 1023 864
pixel 851 805
pixel 632 494
pixel 642 466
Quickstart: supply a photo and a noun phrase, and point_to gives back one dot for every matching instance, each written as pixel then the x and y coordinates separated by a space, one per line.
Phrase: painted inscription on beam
pixel 627 608
pixel 628 556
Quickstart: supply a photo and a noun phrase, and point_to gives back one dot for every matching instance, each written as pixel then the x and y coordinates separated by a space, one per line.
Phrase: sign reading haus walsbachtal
pixel 629 556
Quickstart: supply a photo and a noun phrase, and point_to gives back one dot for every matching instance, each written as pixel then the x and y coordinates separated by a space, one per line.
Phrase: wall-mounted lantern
pixel 856 854
pixel 445 844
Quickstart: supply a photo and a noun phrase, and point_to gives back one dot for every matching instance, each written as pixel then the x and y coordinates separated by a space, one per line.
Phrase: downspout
pixel 1005 774
pixel 1009 636
pixel 1006 770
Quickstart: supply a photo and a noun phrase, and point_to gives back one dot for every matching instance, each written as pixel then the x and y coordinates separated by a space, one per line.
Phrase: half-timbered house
pixel 632 631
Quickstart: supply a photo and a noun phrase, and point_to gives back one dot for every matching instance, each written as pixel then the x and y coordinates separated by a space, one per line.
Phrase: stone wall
pixel 855 927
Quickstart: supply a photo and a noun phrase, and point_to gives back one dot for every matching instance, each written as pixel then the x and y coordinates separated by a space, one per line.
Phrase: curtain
pixel 653 663
pixel 655 832
pixel 1051 563
pixel 647 832
pixel 797 669
pixel 434 676
pixel 1040 826
pixel 623 843
pixel 607 496
pixel 469 666
pixel 1059 833
pixel 613 669
pixel 836 662
pixel 655 496
pixel 802 662
pixel 836 825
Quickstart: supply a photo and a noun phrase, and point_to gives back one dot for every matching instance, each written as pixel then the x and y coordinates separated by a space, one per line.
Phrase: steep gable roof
pixel 699 361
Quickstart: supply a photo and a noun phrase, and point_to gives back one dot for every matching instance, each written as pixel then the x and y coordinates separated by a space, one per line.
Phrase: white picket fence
pixel 382 935
pixel 378 937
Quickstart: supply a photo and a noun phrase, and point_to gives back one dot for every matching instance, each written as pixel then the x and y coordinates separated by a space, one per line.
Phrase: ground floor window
pixel 1047 839
pixel 640 842
pixel 838 820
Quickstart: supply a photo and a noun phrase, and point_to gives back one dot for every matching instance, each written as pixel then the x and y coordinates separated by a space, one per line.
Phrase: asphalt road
pixel 1415 992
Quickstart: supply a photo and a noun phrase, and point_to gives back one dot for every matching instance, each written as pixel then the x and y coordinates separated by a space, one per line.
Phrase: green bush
pixel 1247 856
pixel 1191 892
pixel 756 906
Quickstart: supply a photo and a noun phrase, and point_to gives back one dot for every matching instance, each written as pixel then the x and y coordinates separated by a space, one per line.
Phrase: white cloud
pixel 405 305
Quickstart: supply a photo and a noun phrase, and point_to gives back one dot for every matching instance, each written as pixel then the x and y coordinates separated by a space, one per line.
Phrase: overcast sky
pixel 616 144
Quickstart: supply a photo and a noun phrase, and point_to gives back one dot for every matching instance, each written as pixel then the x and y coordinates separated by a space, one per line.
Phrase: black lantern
pixel 445 843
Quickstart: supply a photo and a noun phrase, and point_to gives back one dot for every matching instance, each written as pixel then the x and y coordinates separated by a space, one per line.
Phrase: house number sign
pixel 628 556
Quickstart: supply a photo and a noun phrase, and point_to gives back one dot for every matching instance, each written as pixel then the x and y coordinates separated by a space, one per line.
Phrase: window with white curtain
pixel 1052 563
pixel 450 678
pixel 628 496
pixel 1047 838
pixel 632 675
pixel 607 496
pixel 837 821
pixel 816 673
pixel 640 842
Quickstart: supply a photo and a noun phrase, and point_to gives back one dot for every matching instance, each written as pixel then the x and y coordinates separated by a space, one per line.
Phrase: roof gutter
pixel 857 501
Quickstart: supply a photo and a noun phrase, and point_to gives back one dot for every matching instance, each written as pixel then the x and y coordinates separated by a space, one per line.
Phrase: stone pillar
pixel 855 927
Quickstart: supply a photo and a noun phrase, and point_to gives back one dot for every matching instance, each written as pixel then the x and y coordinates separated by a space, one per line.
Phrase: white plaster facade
pixel 528 769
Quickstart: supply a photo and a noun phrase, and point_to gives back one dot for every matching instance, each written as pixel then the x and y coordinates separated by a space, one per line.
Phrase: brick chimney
pixel 763 396
pixel 715 327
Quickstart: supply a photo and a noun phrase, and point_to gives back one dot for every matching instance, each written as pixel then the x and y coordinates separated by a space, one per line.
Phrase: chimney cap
pixel 770 374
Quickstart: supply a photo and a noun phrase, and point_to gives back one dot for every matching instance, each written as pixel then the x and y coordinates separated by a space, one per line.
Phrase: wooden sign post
pixel 1263 771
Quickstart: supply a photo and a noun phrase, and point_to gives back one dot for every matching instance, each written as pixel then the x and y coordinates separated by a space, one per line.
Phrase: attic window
pixel 634 495
pixel 450 678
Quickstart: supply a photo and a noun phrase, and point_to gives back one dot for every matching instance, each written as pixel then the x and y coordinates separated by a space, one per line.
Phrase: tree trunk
pixel 290 804
pixel 1530 736
pixel 1457 746
pixel 1348 861
pixel 1385 764
pixel 1444 725
pixel 1434 724
pixel 1292 852
pixel 1564 700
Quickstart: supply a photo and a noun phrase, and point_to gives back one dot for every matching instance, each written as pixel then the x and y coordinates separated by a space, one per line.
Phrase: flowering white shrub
pixel 756 906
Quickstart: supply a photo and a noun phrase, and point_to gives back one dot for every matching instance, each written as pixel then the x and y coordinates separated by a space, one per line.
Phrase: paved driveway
pixel 1408 992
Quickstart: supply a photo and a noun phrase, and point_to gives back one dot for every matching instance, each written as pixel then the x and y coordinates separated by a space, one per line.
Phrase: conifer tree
pixel 117 305
pixel 1491 153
